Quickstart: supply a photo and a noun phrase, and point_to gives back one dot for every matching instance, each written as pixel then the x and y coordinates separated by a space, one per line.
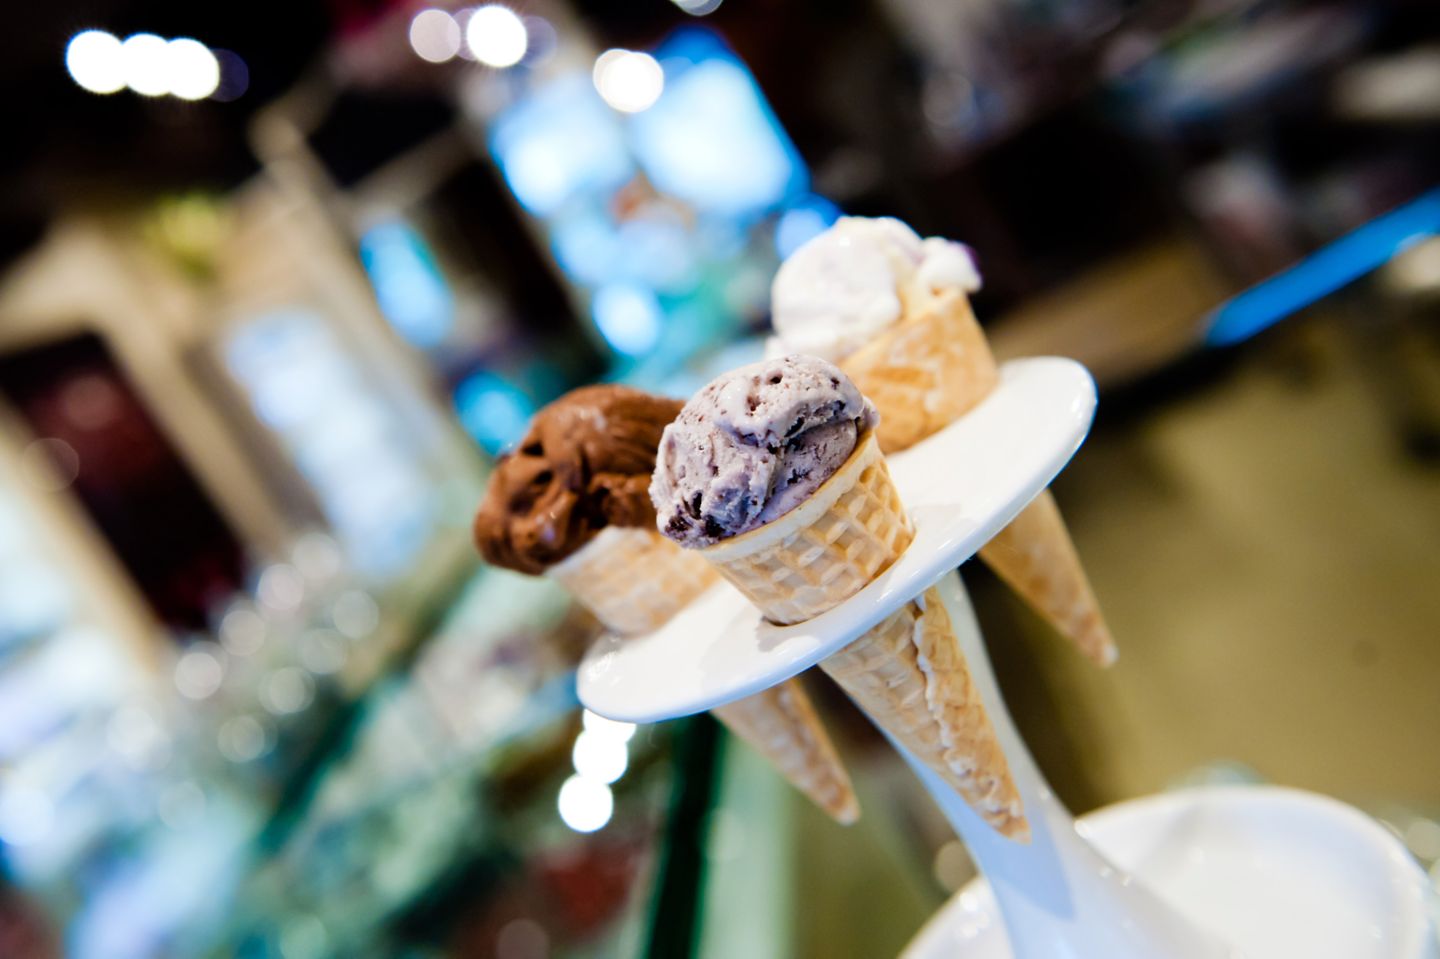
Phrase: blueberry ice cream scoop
pixel 752 445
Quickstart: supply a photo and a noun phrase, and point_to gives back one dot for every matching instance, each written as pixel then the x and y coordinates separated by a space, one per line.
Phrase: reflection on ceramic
pixel 717 650
pixel 1279 873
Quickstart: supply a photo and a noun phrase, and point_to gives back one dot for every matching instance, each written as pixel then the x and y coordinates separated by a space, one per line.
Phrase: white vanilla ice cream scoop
pixel 842 288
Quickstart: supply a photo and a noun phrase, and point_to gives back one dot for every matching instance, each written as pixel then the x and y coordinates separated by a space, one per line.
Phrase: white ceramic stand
pixel 1058 896
pixel 1271 873
pixel 1279 872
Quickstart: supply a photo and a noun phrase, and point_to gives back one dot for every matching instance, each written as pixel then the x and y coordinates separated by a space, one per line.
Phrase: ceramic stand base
pixel 1259 872
pixel 1260 866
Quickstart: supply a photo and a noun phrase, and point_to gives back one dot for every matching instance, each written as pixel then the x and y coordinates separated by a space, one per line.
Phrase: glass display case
pixel 469 803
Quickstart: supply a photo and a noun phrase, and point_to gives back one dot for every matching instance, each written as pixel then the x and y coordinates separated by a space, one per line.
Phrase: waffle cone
pixel 634 580
pixel 925 373
pixel 1035 557
pixel 826 549
pixel 781 724
pixel 908 672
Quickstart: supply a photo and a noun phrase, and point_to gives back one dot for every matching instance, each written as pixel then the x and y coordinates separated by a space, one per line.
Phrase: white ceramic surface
pixel 962 486
pixel 1281 874
pixel 1223 872
pixel 1059 897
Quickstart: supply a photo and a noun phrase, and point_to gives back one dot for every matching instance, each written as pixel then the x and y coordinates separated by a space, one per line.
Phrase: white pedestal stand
pixel 1059 897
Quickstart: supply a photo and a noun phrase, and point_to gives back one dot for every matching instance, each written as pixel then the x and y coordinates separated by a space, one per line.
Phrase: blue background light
pixel 1332 267
pixel 712 139
pixel 562 142
pixel 803 221
pixel 629 317
pixel 408 285
pixel 357 454
pixel 493 411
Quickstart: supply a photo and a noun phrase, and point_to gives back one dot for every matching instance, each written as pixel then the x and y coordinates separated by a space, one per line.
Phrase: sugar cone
pixel 907 672
pixel 1035 557
pixel 781 723
pixel 634 580
pixel 826 549
pixel 925 373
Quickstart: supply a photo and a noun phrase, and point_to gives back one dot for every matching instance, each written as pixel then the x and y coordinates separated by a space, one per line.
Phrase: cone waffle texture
pixel 634 581
pixel 1035 557
pixel 781 723
pixel 927 371
pixel 908 673
pixel 826 549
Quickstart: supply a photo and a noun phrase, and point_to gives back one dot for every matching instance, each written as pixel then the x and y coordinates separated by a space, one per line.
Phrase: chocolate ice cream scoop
pixel 583 465
pixel 752 445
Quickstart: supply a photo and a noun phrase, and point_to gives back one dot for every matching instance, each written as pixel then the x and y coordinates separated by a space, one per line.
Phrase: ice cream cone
pixel 907 672
pixel 930 369
pixel 781 724
pixel 925 372
pixel 1035 557
pixel 823 551
pixel 634 580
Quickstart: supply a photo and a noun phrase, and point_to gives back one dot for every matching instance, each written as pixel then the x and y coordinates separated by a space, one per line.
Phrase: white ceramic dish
pixel 718 650
pixel 1278 873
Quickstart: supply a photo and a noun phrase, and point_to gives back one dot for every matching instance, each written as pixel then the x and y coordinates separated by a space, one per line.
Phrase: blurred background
pixel 281 279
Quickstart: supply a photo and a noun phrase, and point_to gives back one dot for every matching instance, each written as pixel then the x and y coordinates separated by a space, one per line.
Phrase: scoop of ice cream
pixel 842 288
pixel 583 465
pixel 752 445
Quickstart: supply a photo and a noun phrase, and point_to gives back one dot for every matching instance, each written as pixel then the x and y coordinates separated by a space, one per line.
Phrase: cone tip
pixel 1017 830
pixel 1095 642
pixel 847 813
